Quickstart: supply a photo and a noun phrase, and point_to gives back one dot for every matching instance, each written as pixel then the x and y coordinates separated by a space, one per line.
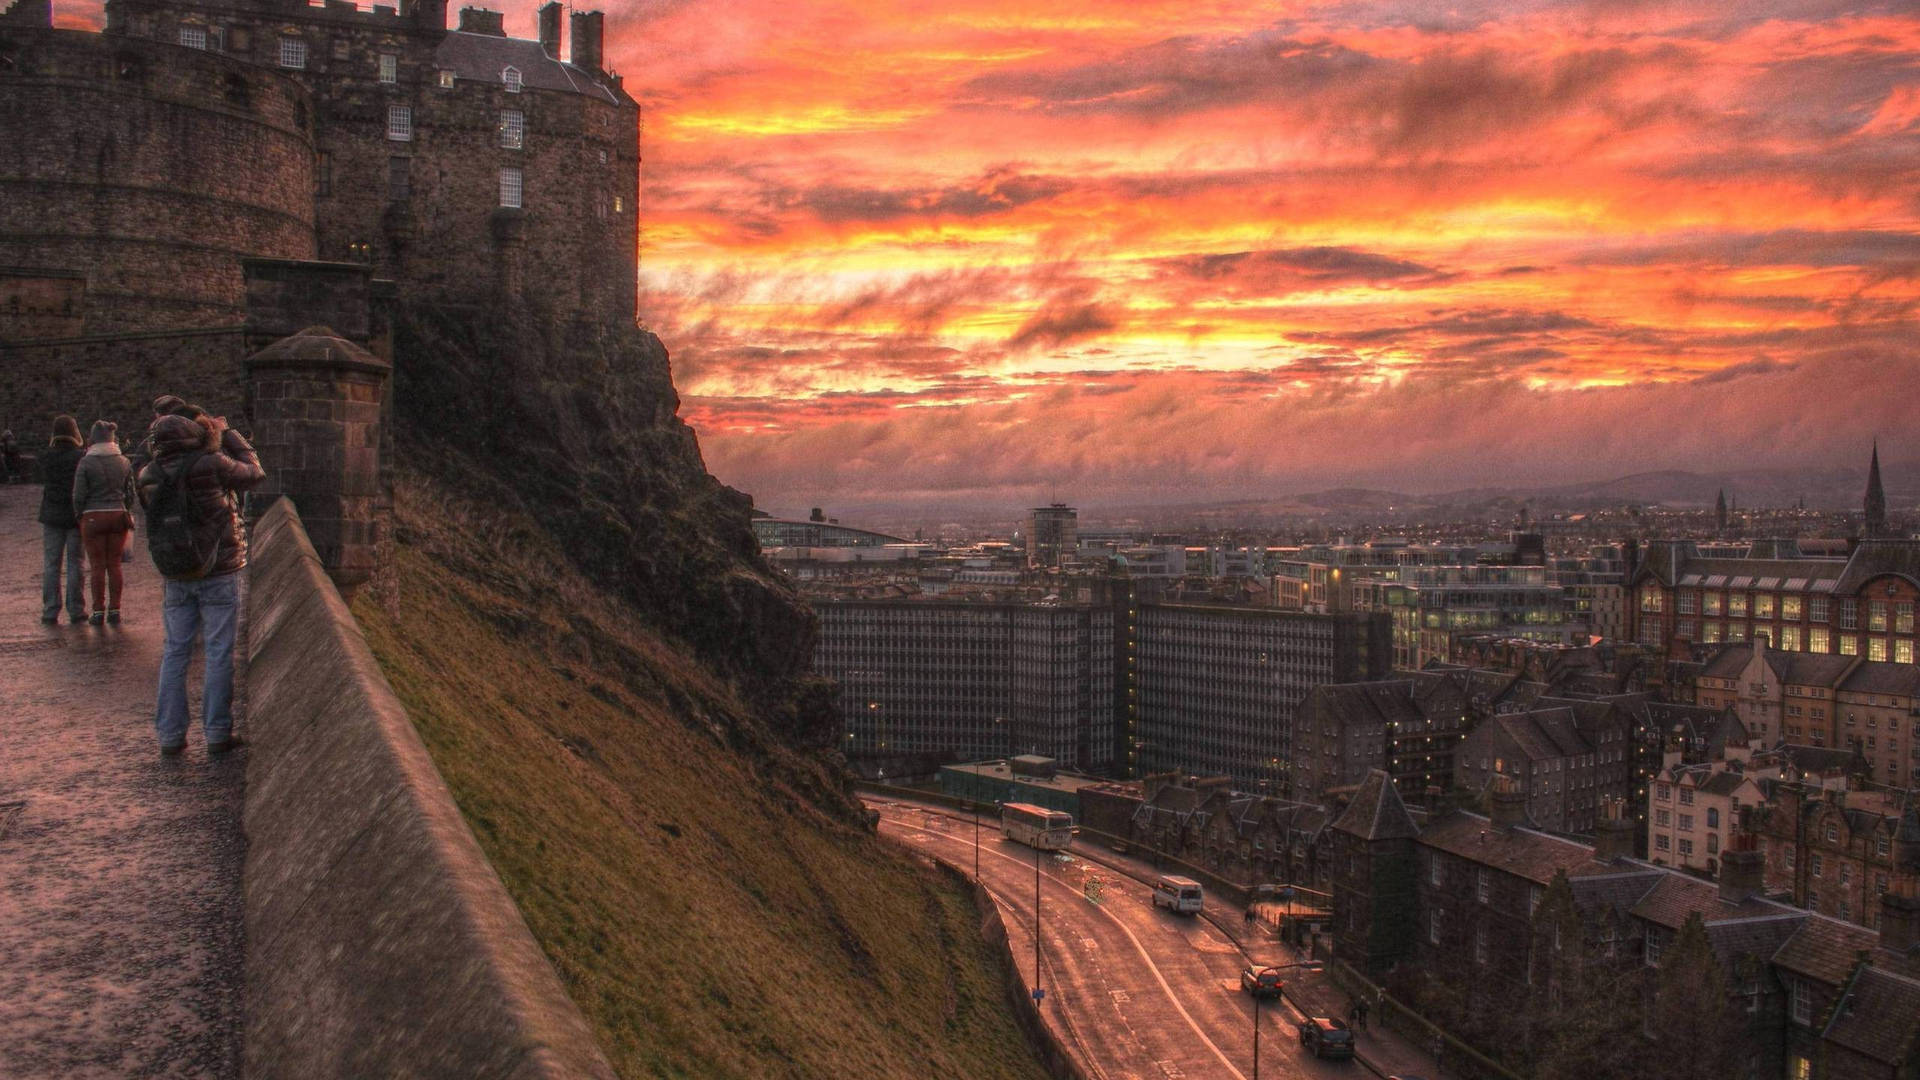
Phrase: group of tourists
pixel 185 475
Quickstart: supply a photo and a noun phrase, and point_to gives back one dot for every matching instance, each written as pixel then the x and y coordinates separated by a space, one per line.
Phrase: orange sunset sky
pixel 984 251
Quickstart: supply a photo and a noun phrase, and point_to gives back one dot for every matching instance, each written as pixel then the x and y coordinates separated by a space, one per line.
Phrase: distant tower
pixel 1525 517
pixel 1052 535
pixel 1720 511
pixel 1876 503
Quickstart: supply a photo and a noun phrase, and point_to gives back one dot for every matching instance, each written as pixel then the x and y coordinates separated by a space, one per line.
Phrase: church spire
pixel 1876 502
pixel 1720 511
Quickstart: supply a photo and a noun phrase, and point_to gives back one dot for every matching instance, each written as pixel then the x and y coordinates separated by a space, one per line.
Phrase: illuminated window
pixel 1790 638
pixel 510 190
pixel 1818 640
pixel 513 129
pixel 1711 604
pixel 446 80
pixel 1877 615
pixel 1903 652
pixel 293 53
pixel 1849 645
pixel 400 123
pixel 1877 648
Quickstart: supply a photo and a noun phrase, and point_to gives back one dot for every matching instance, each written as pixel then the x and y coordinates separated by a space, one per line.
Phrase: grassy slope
pixel 708 922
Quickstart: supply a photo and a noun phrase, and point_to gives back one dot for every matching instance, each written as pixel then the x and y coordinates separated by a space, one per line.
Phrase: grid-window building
pixel 1217 688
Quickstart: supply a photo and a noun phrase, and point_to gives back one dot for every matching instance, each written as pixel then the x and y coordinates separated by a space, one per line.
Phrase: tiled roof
pixel 1821 759
pixel 1535 856
pixel 1809 669
pixel 1825 949
pixel 482 57
pixel 1879 1017
pixel 1619 891
pixel 1874 558
pixel 1723 783
pixel 1880 677
pixel 1676 896
pixel 1759 937
pixel 1376 812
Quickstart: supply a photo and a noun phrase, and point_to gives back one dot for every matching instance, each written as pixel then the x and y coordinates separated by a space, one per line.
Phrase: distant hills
pixel 1679 489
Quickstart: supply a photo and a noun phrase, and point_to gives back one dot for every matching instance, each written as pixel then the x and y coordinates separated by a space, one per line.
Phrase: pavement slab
pixel 121 940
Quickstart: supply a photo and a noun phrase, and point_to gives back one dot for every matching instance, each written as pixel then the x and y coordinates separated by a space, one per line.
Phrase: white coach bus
pixel 1036 826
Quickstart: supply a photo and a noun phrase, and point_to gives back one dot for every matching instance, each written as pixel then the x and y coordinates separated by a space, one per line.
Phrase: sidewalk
pixel 120 908
pixel 1384 1051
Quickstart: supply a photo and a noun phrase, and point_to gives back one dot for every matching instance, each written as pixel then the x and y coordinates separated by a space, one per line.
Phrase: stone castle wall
pixel 150 169
pixel 426 211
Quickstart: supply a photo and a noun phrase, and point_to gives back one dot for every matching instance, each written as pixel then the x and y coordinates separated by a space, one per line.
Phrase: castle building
pixel 152 165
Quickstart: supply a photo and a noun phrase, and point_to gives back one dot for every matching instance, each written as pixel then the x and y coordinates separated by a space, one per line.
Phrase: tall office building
pixel 1053 533
pixel 1217 689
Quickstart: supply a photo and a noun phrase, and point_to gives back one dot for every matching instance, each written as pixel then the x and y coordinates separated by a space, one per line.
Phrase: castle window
pixel 400 123
pixel 513 129
pixel 510 189
pixel 293 53
pixel 193 37
pixel 620 204
pixel 389 68
pixel 399 179
pixel 603 161
pixel 446 80
pixel 510 78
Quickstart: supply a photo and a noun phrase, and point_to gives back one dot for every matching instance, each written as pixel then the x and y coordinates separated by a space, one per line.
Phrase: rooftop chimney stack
pixel 550 28
pixel 475 20
pixel 1742 870
pixel 1613 834
pixel 1900 917
pixel 1509 803
pixel 589 29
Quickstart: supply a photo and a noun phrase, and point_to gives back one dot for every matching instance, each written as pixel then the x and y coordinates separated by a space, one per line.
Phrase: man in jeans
pixel 213 463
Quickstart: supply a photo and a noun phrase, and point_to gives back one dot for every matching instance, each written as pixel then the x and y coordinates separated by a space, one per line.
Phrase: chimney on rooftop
pixel 589 29
pixel 475 20
pixel 1613 833
pixel 1742 869
pixel 550 28
pixel 1900 916
pixel 1509 803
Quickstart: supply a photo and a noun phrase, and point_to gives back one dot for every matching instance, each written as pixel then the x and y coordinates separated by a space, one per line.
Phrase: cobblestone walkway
pixel 120 906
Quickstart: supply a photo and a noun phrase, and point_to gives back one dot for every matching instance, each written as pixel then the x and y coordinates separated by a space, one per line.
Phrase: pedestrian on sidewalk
pixel 1360 1013
pixel 193 535
pixel 103 503
pixel 59 528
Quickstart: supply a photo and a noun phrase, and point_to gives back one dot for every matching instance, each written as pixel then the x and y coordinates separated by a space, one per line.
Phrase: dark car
pixel 1326 1037
pixel 1261 982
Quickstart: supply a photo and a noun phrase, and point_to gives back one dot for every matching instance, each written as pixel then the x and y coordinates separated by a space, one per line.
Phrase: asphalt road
pixel 1139 993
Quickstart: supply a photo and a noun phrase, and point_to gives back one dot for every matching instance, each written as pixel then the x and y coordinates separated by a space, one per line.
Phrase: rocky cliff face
pixel 579 430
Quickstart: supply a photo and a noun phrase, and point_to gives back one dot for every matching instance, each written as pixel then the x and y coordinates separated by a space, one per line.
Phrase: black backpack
pixel 183 538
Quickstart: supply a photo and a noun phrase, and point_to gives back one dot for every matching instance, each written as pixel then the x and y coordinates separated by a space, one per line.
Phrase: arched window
pixel 510 78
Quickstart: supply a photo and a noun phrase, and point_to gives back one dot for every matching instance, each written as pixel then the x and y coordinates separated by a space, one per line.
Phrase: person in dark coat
pixel 214 463
pixel 10 459
pixel 103 504
pixel 59 527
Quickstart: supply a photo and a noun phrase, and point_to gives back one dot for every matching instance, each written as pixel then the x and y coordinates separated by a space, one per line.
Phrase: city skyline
pixel 1152 252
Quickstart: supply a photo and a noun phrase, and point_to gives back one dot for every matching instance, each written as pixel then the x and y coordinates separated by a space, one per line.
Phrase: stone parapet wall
pixel 380 941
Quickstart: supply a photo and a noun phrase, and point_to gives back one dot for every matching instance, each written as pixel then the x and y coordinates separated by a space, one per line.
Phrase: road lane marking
pixel 1158 977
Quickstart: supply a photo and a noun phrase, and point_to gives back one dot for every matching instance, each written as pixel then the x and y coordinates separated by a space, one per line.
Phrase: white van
pixel 1177 894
